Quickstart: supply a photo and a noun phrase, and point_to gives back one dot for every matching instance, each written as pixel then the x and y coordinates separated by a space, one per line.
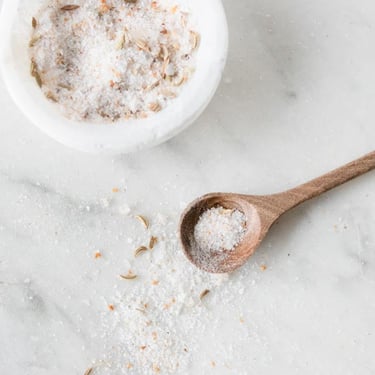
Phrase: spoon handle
pixel 294 197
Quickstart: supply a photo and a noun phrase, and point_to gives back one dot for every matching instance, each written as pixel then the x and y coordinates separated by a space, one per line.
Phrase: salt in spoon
pixel 261 212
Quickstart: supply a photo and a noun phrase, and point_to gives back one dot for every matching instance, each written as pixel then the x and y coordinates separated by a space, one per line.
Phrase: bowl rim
pixel 120 137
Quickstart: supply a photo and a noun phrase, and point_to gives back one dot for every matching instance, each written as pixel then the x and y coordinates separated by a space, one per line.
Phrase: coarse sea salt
pixel 217 233
pixel 219 229
pixel 109 60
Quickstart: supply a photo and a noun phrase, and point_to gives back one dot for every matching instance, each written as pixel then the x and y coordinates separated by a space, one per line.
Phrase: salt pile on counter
pixel 150 329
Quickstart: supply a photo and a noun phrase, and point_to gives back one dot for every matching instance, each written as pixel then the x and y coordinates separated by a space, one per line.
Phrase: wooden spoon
pixel 261 212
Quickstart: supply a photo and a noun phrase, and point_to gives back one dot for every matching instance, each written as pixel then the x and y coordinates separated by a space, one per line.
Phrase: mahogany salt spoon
pixel 261 212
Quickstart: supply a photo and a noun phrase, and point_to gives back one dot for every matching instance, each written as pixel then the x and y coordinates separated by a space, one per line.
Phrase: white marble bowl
pixel 120 137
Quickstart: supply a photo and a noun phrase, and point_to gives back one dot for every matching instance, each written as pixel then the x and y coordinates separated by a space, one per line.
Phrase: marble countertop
pixel 296 101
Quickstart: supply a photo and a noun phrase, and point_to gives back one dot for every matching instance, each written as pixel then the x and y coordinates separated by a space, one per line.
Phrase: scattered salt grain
pixel 156 313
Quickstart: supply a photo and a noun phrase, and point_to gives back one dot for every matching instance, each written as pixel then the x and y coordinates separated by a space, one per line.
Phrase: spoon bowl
pixel 238 256
pixel 260 213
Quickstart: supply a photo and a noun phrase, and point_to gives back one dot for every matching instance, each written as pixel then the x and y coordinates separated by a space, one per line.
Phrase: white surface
pixel 297 101
pixel 137 134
